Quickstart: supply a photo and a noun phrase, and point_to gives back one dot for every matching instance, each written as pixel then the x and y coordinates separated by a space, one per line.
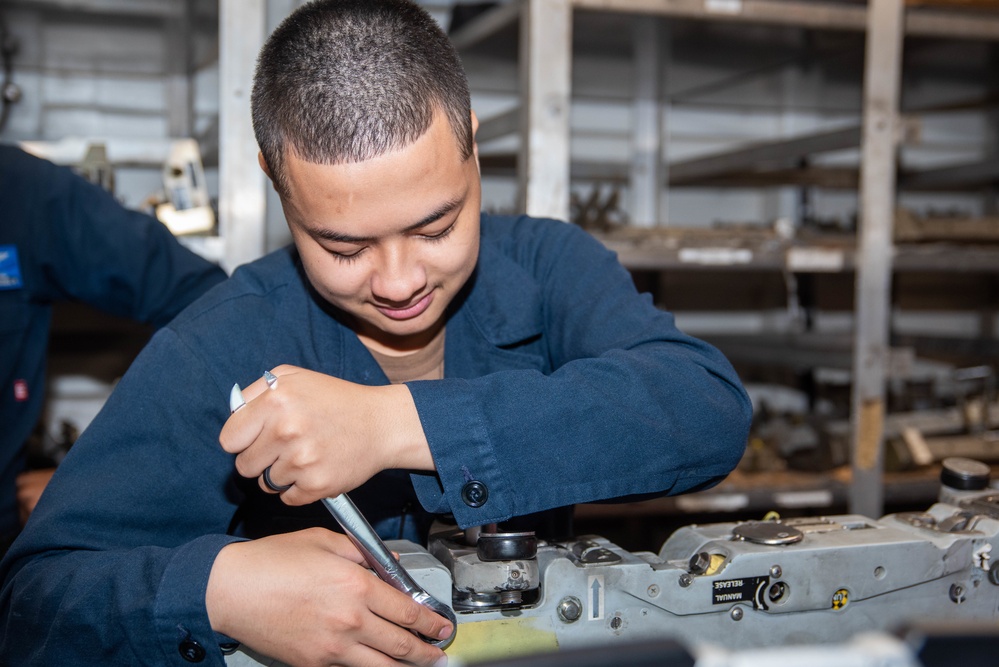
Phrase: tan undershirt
pixel 424 364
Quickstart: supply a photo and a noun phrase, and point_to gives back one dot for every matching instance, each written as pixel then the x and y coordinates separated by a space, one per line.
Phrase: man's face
pixel 390 240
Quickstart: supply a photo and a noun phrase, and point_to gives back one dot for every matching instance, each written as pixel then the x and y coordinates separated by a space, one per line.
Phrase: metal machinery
pixel 725 588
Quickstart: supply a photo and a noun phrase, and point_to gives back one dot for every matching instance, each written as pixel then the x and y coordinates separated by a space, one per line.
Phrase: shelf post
pixel 179 79
pixel 545 81
pixel 647 127
pixel 882 75
pixel 242 198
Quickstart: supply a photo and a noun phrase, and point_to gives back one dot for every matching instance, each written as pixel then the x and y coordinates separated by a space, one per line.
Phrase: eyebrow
pixel 440 212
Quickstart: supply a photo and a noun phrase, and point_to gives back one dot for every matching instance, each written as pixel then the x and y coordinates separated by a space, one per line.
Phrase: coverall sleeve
pixel 633 406
pixel 90 248
pixel 107 565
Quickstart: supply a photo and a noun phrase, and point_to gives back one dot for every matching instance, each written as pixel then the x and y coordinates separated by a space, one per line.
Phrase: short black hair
pixel 347 80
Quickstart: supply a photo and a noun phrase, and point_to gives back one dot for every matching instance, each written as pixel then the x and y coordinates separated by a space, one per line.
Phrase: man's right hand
pixel 30 485
pixel 305 598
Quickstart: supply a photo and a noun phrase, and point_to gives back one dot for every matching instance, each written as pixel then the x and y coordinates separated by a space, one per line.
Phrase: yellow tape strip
pixel 503 638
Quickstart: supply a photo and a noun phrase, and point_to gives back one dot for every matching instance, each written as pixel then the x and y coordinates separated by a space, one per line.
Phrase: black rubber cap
pixel 964 474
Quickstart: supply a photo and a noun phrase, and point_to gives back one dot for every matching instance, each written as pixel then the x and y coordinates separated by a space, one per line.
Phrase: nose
pixel 399 277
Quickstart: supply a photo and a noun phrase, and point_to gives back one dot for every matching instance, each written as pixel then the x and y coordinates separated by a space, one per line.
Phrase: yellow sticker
pixel 840 599
pixel 503 638
pixel 715 564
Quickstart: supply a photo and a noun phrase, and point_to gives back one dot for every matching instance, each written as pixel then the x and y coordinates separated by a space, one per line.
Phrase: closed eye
pixel 346 257
pixel 441 235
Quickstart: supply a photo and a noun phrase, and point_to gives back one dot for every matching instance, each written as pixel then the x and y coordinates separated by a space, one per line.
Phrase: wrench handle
pixel 388 569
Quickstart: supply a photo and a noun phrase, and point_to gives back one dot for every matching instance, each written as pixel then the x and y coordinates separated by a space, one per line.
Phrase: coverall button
pixel 191 650
pixel 474 494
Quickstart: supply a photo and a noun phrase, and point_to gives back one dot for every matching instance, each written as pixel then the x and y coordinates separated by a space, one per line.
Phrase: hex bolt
pixel 777 592
pixel 736 613
pixel 653 590
pixel 570 609
pixel 776 572
pixel 686 580
pixel 616 623
pixel 699 563
pixel 957 594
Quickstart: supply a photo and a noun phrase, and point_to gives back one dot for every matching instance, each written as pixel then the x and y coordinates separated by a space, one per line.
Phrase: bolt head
pixel 570 609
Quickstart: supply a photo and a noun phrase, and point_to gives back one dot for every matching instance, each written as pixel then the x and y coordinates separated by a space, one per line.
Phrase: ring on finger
pixel 276 488
pixel 271 380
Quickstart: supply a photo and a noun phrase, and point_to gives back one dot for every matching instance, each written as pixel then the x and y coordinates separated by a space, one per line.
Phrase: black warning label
pixel 749 589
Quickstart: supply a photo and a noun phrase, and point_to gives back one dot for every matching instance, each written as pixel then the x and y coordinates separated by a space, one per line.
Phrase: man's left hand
pixel 322 435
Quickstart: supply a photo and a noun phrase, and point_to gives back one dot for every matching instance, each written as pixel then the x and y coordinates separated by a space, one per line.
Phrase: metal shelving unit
pixel 544 32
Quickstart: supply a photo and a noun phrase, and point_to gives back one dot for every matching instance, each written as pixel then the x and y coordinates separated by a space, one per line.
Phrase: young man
pixel 429 359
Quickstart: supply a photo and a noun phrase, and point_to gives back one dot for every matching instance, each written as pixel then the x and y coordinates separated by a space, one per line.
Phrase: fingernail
pixel 236 400
pixel 443 660
pixel 445 633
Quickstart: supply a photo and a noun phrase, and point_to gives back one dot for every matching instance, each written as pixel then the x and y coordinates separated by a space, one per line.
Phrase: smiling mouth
pixel 408 312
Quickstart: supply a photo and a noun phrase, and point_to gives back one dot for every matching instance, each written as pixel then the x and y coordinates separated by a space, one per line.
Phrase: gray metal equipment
pixel 733 587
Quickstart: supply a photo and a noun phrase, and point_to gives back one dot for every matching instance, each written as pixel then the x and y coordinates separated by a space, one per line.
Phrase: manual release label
pixel 750 589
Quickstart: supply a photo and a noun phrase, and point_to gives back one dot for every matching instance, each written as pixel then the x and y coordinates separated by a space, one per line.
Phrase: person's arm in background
pixel 92 249
pixel 82 245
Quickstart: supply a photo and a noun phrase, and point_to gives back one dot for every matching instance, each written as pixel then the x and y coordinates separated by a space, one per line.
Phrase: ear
pixel 475 130
pixel 263 164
